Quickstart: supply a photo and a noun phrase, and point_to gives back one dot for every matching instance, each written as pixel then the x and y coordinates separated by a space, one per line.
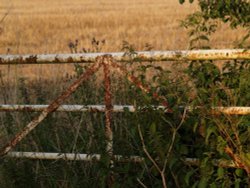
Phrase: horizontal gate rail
pixel 236 110
pixel 74 108
pixel 222 54
pixel 70 156
pixel 97 157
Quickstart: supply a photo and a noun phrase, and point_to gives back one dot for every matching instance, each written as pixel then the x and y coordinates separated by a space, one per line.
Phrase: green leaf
pixel 195 184
pixel 221 143
pixel 220 173
pixel 172 162
pixel 183 149
pixel 237 183
pixel 195 126
pixel 153 128
pixel 213 185
pixel 188 175
pixel 239 172
pixel 210 130
pixel 203 183
pixel 191 1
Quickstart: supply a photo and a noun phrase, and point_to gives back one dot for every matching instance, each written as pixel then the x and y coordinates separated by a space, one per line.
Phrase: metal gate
pixel 106 61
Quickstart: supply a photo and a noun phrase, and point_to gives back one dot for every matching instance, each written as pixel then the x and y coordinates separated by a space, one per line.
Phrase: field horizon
pixel 33 27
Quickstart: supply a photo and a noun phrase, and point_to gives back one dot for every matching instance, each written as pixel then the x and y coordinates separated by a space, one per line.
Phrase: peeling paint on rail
pixel 97 157
pixel 222 54
pixel 234 110
pixel 71 156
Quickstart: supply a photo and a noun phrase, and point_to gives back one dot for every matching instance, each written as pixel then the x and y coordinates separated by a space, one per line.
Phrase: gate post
pixel 106 61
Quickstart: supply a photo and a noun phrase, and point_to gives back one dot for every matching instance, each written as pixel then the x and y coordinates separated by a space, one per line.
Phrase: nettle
pixel 225 137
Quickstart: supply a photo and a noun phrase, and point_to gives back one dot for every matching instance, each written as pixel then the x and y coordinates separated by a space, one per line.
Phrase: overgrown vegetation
pixel 165 140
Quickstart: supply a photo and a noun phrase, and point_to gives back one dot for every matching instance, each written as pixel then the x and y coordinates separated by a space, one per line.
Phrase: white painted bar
pixel 69 156
pixel 72 108
pixel 233 110
pixel 97 157
pixel 220 54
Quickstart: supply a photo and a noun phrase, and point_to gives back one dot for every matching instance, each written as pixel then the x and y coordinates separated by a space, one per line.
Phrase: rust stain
pixel 31 59
pixel 69 60
pixel 106 60
pixel 57 60
pixel 108 96
pixel 178 55
pixel 94 110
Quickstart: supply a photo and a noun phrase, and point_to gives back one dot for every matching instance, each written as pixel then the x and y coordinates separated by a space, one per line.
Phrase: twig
pixel 140 182
pixel 164 184
pixel 173 139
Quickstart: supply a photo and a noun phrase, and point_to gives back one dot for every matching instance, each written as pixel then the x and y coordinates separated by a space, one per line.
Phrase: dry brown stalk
pixel 239 162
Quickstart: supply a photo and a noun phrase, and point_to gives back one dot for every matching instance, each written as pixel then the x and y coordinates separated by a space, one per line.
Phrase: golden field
pixel 43 26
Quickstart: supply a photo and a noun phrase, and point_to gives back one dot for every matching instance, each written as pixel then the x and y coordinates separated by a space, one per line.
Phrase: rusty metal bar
pixel 52 107
pixel 71 156
pixel 222 54
pixel 106 60
pixel 233 110
pixel 108 104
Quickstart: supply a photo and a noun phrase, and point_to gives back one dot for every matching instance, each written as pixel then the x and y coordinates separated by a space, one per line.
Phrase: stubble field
pixel 48 26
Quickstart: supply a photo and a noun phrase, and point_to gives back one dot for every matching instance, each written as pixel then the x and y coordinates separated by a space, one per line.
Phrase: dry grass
pixel 43 26
pixel 48 26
